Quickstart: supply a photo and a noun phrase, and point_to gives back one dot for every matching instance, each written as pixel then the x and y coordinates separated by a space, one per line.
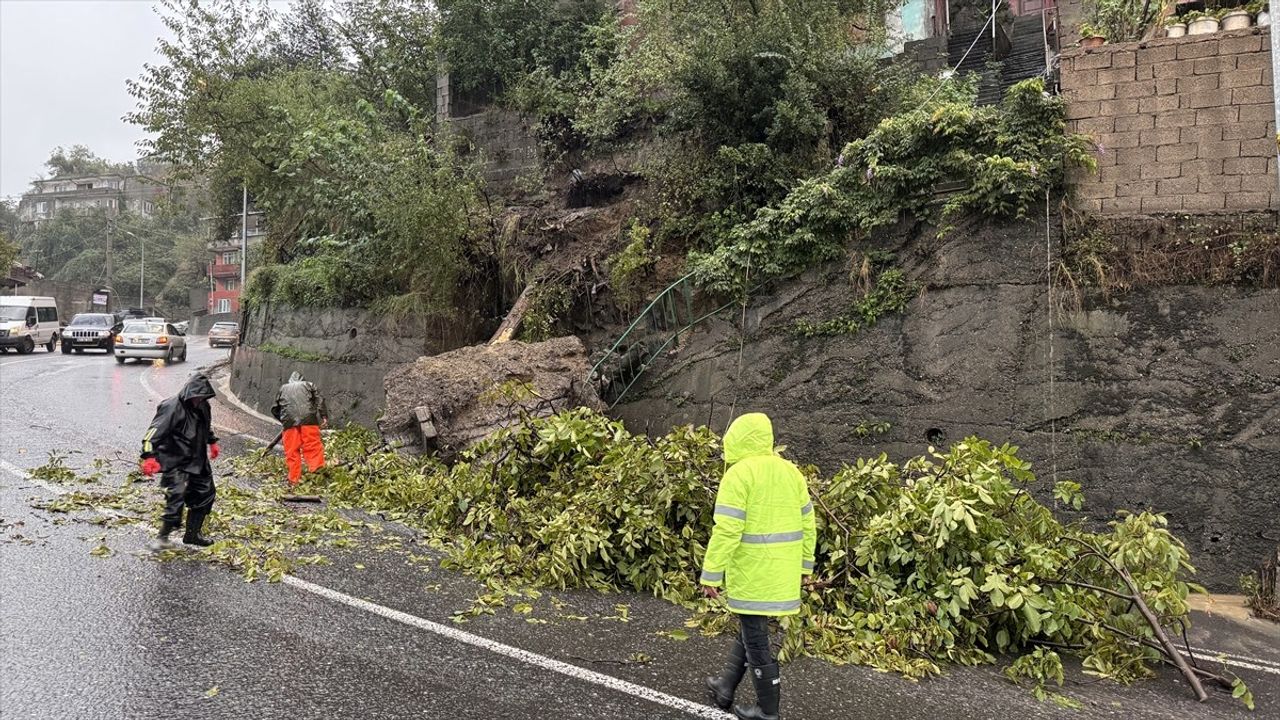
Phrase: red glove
pixel 150 466
pixel 214 451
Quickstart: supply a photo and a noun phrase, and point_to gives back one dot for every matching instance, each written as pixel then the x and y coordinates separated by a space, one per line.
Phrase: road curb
pixel 222 384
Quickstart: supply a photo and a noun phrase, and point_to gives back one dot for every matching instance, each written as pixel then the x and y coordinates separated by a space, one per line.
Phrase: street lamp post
pixel 142 269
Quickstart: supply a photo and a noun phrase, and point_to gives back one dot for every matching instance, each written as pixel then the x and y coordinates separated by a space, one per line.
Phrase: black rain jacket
pixel 299 403
pixel 182 430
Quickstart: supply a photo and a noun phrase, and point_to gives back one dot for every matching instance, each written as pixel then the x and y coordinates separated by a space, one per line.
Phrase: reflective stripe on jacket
pixel 764 535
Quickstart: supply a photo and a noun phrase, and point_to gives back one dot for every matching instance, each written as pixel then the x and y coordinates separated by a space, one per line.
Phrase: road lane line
pixel 1213 654
pixel 563 668
pixel 466 638
pixel 525 656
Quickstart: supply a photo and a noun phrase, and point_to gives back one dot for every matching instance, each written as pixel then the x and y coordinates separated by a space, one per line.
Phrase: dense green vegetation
pixel 765 121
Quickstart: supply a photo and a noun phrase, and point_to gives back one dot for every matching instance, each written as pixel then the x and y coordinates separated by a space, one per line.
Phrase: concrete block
pixel 1246 165
pixel 1204 202
pixel 1217 115
pixel 1244 131
pixel 1159 104
pixel 1178 186
pixel 1161 204
pixel 1175 153
pixel 1093 61
pixel 1087 205
pixel 1138 89
pixel 1249 201
pixel 1254 61
pixel 1116 75
pixel 1116 108
pixel 1122 206
pixel 1076 110
pixel 1073 80
pixel 1257 114
pixel 1134 123
pixel 1264 147
pixel 1160 171
pixel 1143 156
pixel 1174 69
pixel 1157 55
pixel 1215 65
pixel 1096 125
pixel 1257 95
pixel 1094 92
pixel 1207 99
pixel 1241 45
pixel 1213 150
pixel 1139 188
pixel 1096 190
pixel 1197 83
pixel 1202 168
pixel 1162 136
pixel 1241 78
pixel 1124 58
pixel 1219 183
pixel 1201 134
pixel 1197 49
pixel 1119 139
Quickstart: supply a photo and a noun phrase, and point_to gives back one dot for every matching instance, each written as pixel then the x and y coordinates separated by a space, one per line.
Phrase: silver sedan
pixel 149 340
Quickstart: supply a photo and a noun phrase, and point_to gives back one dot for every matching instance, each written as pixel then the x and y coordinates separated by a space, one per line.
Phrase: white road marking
pixel 525 656
pixel 1252 663
pixel 573 671
pixel 531 658
pixel 19 362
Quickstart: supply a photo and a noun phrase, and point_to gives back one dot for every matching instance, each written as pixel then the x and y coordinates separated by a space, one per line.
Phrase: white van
pixel 27 321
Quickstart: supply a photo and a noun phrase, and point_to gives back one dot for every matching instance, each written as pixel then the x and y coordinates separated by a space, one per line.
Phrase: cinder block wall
pixel 1183 125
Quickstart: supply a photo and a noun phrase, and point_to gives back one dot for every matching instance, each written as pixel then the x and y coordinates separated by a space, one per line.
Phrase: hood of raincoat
pixel 296 377
pixel 198 386
pixel 748 436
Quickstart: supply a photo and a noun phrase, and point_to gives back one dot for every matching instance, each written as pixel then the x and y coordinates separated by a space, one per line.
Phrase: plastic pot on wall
pixel 1236 20
pixel 1177 30
pixel 1203 26
pixel 1092 41
pixel 1264 19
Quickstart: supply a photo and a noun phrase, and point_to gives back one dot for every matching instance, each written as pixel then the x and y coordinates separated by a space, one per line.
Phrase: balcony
pixel 225 271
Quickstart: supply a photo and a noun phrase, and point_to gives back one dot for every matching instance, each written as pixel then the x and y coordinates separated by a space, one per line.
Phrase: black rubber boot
pixel 162 541
pixel 195 522
pixel 724 685
pixel 768 684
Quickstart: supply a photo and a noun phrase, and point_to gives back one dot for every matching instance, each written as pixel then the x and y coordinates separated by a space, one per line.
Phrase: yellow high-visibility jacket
pixel 764 535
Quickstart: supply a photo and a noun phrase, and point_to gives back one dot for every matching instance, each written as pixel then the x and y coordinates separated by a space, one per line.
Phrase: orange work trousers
pixel 299 443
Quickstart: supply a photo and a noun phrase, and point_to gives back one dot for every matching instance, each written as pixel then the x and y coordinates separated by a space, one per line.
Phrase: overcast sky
pixel 63 64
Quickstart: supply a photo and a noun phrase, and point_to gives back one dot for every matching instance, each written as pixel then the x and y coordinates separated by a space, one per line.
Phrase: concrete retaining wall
pixel 1165 398
pixel 353 391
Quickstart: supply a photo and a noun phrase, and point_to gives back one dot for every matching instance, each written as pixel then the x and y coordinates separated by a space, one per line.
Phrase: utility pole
pixel 142 270
pixel 244 233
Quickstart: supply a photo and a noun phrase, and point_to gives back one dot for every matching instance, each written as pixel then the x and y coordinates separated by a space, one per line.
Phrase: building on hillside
pixel 224 266
pixel 113 193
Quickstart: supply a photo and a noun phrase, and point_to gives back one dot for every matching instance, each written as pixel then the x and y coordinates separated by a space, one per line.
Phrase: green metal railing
pixel 662 321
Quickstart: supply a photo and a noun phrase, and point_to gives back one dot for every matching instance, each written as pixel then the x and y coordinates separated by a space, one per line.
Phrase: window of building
pixel 42 206
pixel 224 306
pixel 84 186
pixel 148 207
pixel 230 284
pixel 230 258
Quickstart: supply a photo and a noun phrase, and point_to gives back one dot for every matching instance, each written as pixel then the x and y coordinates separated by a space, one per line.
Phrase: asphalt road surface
pixel 369 635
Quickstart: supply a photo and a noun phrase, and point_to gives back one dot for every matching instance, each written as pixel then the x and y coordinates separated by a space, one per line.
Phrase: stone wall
pixel 1183 125
pixel 1163 398
pixel 505 149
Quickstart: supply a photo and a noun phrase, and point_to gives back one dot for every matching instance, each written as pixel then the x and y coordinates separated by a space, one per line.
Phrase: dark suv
pixel 91 330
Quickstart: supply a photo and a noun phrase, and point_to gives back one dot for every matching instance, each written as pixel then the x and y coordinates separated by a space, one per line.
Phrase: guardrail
pixel 659 325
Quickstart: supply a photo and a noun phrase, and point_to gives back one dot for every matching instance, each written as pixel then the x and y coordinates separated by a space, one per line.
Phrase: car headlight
pixel 104 333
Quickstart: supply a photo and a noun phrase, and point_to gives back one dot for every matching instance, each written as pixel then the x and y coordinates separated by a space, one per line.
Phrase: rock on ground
pixel 444 403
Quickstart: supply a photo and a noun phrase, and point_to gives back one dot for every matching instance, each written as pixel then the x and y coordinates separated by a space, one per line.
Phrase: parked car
pixel 27 321
pixel 224 334
pixel 144 340
pixel 183 326
pixel 96 331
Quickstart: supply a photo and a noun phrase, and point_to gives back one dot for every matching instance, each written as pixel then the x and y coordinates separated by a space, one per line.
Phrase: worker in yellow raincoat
pixel 762 544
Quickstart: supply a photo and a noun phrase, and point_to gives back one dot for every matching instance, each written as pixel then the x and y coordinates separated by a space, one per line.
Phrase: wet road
pixel 369 636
